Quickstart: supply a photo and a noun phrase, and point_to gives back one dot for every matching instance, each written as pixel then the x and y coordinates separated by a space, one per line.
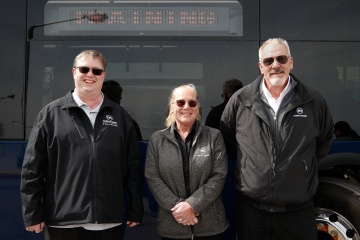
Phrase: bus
pixel 153 46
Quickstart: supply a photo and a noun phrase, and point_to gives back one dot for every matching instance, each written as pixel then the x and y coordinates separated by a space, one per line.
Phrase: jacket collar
pixel 70 102
pixel 170 131
pixel 250 94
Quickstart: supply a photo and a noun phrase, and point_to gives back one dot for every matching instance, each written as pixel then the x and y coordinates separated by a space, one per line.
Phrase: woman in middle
pixel 186 168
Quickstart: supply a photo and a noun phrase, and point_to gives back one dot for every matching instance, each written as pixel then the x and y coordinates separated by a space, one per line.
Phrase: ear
pixel 261 67
pixel 291 63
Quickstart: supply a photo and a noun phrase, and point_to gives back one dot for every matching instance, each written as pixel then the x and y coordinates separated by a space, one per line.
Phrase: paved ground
pixel 11 222
pixel 12 226
pixel 146 230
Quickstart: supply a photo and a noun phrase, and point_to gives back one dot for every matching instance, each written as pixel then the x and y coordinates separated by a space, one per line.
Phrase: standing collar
pixel 275 103
pixel 81 104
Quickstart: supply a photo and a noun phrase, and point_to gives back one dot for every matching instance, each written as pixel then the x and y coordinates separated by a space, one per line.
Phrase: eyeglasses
pixel 280 59
pixel 181 103
pixel 95 71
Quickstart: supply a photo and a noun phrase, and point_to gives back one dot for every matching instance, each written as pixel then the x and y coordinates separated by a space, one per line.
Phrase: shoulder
pixel 56 104
pixel 306 92
pixel 160 134
pixel 117 110
pixel 304 89
pixel 219 108
pixel 212 132
pixel 247 93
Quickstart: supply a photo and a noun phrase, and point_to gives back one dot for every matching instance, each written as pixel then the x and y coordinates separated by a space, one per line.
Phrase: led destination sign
pixel 150 21
pixel 153 17
pixel 147 19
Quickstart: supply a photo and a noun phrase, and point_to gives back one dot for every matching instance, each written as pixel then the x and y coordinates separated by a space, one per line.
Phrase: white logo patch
pixel 300 113
pixel 109 121
pixel 202 153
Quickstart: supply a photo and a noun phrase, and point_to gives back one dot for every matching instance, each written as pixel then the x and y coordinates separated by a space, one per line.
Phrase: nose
pixel 186 104
pixel 275 64
pixel 90 73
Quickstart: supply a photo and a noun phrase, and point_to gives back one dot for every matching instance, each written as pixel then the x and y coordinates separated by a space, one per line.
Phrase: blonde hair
pixel 171 117
pixel 91 53
pixel 274 41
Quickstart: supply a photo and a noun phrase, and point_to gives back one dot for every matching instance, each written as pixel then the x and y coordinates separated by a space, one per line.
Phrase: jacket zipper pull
pixel 305 165
pixel 273 168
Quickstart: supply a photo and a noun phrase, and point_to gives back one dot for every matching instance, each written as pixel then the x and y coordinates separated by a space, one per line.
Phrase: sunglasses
pixel 181 103
pixel 95 71
pixel 280 59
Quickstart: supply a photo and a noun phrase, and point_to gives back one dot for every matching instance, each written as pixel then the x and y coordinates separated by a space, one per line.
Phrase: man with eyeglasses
pixel 82 153
pixel 276 129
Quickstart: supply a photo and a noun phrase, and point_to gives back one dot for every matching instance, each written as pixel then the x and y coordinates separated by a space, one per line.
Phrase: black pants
pixel 214 237
pixel 80 233
pixel 256 224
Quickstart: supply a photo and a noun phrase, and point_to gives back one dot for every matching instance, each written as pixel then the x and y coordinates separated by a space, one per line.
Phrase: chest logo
pixel 300 113
pixel 202 153
pixel 109 121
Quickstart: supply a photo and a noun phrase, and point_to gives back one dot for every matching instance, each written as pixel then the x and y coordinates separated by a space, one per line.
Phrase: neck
pixel 275 91
pixel 91 100
pixel 184 130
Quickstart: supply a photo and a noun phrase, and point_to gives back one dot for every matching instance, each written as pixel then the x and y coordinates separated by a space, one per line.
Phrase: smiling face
pixel 275 74
pixel 184 115
pixel 88 84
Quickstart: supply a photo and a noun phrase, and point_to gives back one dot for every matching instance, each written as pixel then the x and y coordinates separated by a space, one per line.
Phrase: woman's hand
pixel 184 214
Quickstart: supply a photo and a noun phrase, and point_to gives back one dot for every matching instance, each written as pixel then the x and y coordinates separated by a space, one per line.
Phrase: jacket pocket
pixel 168 227
pixel 212 220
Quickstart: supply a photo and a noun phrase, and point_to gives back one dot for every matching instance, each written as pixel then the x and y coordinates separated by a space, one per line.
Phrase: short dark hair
pixel 231 86
pixel 112 90
pixel 343 126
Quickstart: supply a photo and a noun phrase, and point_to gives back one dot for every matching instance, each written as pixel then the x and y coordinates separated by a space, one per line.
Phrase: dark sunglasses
pixel 95 71
pixel 181 103
pixel 280 59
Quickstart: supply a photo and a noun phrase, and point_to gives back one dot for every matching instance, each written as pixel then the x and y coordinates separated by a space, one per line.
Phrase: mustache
pixel 278 70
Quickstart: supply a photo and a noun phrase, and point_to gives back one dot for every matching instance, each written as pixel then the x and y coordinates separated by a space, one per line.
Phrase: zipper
pixel 305 165
pixel 94 172
pixel 273 168
pixel 275 136
pixel 73 120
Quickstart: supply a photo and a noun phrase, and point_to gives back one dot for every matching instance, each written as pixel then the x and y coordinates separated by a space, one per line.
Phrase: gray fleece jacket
pixel 207 170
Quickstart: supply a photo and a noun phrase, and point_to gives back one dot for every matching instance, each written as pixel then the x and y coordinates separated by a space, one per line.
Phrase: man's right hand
pixel 37 228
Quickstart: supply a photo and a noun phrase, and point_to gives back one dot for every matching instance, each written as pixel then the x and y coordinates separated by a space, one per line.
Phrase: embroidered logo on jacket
pixel 202 153
pixel 300 113
pixel 109 121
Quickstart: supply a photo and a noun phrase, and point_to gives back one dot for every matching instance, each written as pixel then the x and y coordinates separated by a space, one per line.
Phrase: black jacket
pixel 74 173
pixel 214 116
pixel 276 157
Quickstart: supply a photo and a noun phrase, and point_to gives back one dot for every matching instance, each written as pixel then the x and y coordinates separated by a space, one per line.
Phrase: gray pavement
pixel 146 230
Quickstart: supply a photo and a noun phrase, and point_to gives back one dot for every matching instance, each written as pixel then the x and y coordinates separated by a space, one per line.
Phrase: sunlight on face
pixel 276 74
pixel 88 83
pixel 185 115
